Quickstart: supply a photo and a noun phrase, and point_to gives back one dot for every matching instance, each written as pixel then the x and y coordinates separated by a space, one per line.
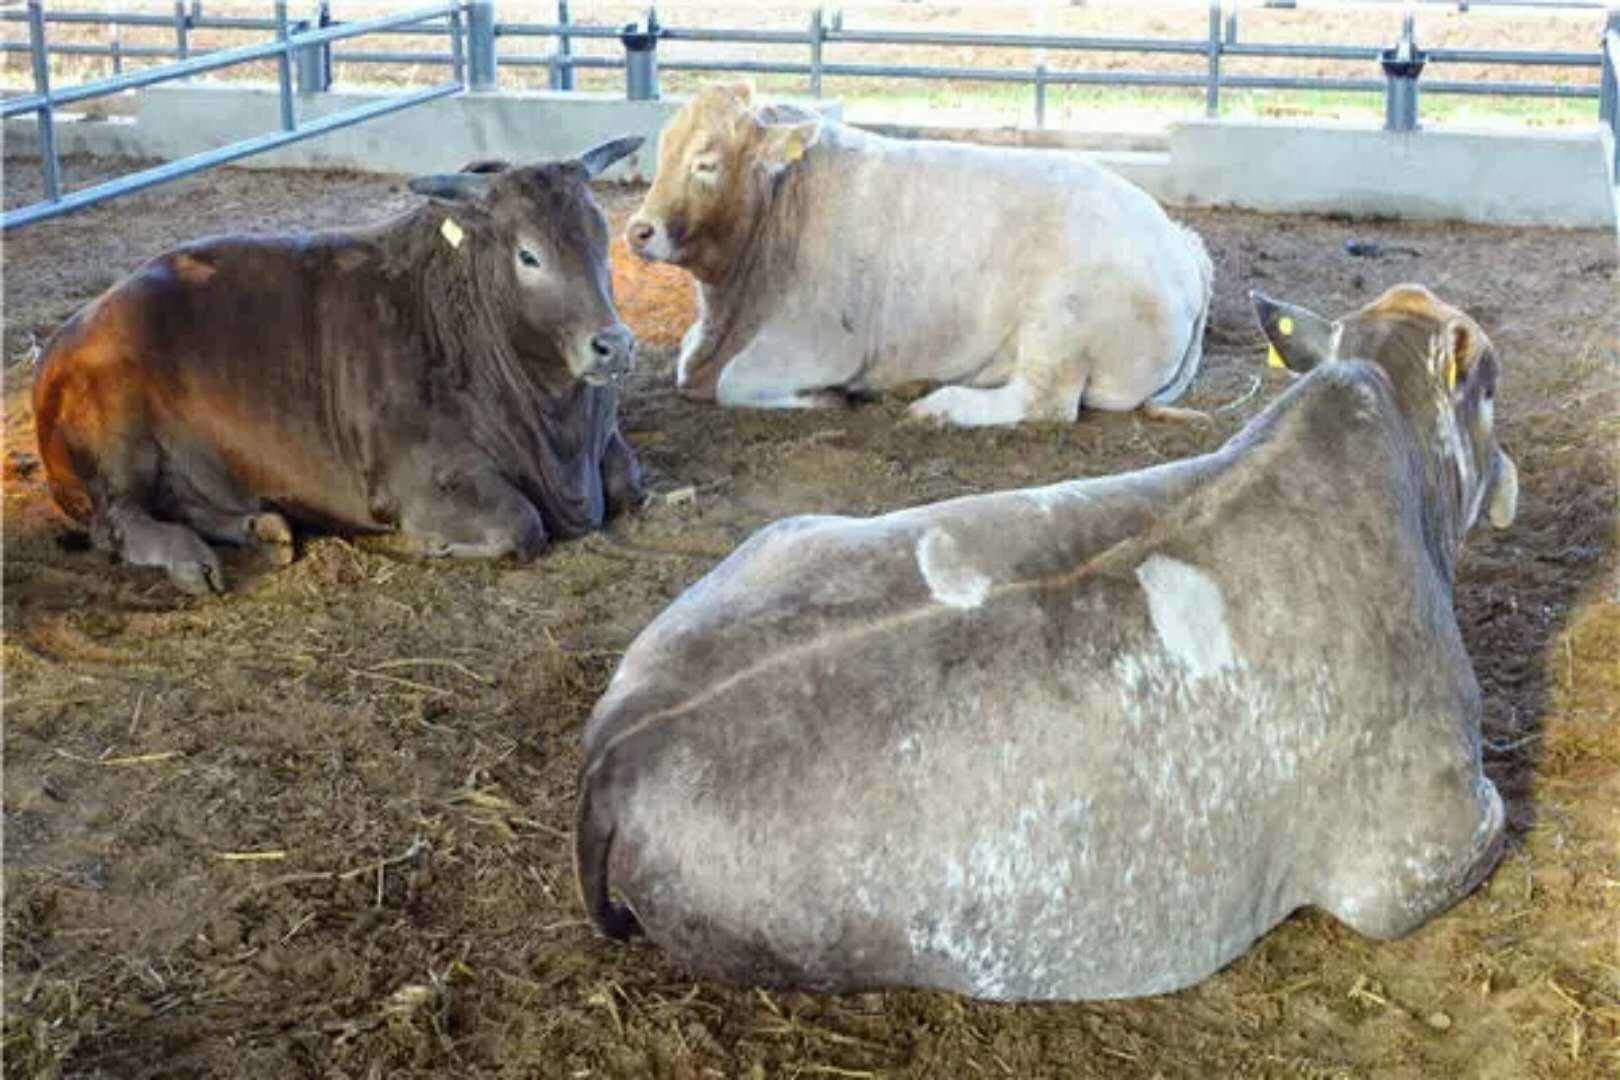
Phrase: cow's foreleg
pixel 762 380
pixel 1011 403
pixel 621 475
pixel 474 516
pixel 268 531
pixel 1394 878
pixel 1046 383
pixel 127 530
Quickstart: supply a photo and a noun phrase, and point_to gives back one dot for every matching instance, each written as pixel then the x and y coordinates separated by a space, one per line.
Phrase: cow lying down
pixel 1082 741
pixel 448 374
pixel 831 262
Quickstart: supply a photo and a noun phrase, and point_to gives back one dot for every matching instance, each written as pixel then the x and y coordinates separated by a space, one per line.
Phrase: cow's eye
pixel 705 167
pixel 527 257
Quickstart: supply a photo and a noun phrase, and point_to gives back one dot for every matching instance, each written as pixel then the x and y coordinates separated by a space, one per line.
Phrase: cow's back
pixel 241 350
pixel 930 256
pixel 1034 744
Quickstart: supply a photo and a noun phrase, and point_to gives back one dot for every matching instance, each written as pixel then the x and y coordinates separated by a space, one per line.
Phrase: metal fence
pixel 823 31
pixel 475 51
pixel 296 47
pixel 1609 107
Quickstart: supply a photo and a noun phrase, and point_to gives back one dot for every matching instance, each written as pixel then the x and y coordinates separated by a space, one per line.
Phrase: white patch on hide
pixel 1188 613
pixel 951 580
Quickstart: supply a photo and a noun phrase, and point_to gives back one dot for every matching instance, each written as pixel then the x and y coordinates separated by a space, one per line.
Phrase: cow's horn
pixel 598 158
pixel 452 187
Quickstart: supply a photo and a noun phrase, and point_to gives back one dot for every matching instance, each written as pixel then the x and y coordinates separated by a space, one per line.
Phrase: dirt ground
pixel 319 826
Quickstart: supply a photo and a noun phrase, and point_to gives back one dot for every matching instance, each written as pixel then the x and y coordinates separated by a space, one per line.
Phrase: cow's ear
pixel 783 144
pixel 1300 338
pixel 459 187
pixel 490 165
pixel 1459 341
pixel 598 158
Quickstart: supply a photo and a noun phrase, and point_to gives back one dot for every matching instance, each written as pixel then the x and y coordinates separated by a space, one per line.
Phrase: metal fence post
pixel 458 47
pixel 563 71
pixel 817 32
pixel 323 19
pixel 481 72
pixel 1610 94
pixel 182 33
pixel 640 43
pixel 289 119
pixel 1402 65
pixel 1607 103
pixel 117 48
pixel 42 87
pixel 310 71
pixel 1212 86
pixel 312 64
pixel 182 29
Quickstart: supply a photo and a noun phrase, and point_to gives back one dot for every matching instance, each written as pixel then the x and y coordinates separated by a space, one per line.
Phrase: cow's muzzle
pixel 610 356
pixel 652 240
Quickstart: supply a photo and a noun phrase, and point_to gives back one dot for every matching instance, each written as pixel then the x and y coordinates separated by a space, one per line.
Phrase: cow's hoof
pixel 923 414
pixel 1175 414
pixel 200 577
pixel 273 532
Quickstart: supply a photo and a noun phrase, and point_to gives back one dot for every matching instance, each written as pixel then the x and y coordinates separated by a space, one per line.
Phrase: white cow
pixel 833 262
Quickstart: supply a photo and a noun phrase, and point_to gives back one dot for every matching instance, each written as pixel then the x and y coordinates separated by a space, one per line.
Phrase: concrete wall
pixel 1504 177
pixel 174 120
pixel 1500 177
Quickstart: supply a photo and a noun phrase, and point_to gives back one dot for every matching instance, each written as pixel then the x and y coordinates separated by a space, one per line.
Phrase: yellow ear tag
pixel 452 233
pixel 1273 357
pixel 1451 373
pixel 1285 326
pixel 794 150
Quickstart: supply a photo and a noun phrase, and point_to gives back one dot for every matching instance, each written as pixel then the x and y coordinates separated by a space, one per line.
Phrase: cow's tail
pixel 593 842
pixel 1192 357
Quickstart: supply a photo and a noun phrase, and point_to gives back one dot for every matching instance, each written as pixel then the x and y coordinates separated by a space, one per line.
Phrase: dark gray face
pixel 540 246
pixel 1443 368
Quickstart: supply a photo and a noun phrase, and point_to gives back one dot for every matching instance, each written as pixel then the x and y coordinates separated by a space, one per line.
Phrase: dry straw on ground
pixel 407 733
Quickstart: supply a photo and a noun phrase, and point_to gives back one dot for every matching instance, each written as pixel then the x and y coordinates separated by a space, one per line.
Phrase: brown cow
pixel 448 374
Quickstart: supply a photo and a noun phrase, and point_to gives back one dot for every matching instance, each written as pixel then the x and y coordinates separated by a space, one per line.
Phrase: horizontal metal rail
pixel 1185 46
pixel 1190 46
pixel 167 22
pixel 563 61
pixel 174 170
pixel 1486 56
pixel 95 18
pixel 292 40
pixel 1279 50
pixel 219 58
pixel 1059 77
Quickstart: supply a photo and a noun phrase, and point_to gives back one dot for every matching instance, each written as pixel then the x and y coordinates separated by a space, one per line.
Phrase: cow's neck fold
pixel 1432 424
pixel 736 303
pixel 545 434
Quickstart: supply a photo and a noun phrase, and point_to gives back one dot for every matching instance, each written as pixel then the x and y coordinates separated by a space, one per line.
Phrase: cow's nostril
pixel 641 232
pixel 602 346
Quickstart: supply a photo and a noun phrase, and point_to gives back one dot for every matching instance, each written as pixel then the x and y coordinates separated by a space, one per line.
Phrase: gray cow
pixel 1084 741
pixel 447 375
